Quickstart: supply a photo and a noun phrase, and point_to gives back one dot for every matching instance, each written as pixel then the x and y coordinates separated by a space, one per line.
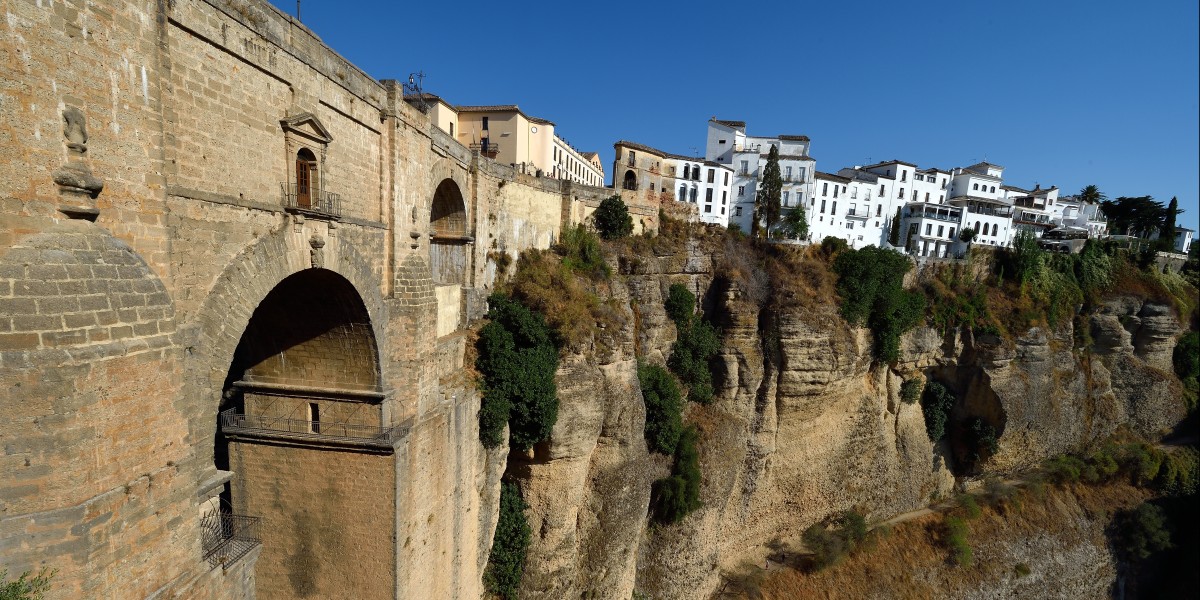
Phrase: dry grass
pixel 573 305
pixel 912 562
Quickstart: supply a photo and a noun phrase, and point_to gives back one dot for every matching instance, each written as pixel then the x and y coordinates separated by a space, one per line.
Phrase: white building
pixel 704 183
pixel 728 144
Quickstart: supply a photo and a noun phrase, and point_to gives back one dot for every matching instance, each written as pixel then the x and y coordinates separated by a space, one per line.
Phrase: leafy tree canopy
pixel 612 218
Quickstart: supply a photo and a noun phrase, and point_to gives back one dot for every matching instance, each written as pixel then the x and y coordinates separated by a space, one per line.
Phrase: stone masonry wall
pixel 116 337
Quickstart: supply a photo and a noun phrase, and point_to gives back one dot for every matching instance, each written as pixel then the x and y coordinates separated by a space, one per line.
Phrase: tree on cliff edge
pixel 770 190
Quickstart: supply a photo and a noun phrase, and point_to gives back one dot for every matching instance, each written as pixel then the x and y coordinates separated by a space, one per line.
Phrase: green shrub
pixel 1025 258
pixel 694 349
pixel 1142 532
pixel 1187 357
pixel 1141 461
pixel 832 245
pixel 956 539
pixel 1179 472
pixel 664 406
pixel 910 391
pixel 1064 469
pixel 1021 569
pixel 936 403
pixel 27 586
pixel 981 441
pixel 675 496
pixel 1103 463
pixel 612 218
pixel 970 506
pixel 827 547
pixel 853 528
pixel 509 546
pixel 518 359
pixel 581 252
pixel 680 304
pixel 870 283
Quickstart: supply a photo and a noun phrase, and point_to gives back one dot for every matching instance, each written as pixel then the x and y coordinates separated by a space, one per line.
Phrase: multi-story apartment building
pixel 507 135
pixel 704 183
pixel 727 144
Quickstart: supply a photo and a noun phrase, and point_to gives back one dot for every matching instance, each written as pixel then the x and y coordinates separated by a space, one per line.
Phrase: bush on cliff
pixel 675 496
pixel 612 218
pixel 697 343
pixel 27 586
pixel 936 403
pixel 517 358
pixel 1141 532
pixel 664 421
pixel 829 546
pixel 680 304
pixel 506 562
pixel 870 283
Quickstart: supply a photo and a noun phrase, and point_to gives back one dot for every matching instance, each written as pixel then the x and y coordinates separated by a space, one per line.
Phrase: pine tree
pixel 770 190
pixel 894 234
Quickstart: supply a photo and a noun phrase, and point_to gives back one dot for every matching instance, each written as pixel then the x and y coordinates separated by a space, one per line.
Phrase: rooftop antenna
pixel 297 10
pixel 695 151
pixel 413 87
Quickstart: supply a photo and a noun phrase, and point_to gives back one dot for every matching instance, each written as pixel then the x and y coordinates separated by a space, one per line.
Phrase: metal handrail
pixel 234 422
pixel 311 199
pixel 226 537
pixel 485 146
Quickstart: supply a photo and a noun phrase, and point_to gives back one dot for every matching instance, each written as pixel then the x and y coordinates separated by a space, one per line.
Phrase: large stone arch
pixel 238 291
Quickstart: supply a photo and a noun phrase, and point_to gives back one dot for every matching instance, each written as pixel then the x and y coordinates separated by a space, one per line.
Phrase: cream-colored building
pixel 504 133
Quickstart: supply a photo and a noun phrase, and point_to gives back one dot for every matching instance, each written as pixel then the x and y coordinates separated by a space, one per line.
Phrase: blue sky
pixel 1059 93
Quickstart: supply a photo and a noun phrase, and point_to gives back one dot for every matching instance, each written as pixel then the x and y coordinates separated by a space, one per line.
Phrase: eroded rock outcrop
pixel 805 425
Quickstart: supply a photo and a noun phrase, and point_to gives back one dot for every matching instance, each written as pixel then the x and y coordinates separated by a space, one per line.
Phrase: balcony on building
pixel 937 212
pixel 225 537
pixel 235 423
pixel 308 200
pixel 486 147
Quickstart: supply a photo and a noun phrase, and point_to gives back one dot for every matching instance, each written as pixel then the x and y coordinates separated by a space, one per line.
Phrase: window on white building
pixel 694 192
pixel 745 168
pixel 833 209
pixel 975 186
pixel 881 189
pixel 708 195
pixel 785 198
pixel 741 191
pixel 941 229
pixel 737 211
pixel 788 174
pixel 711 175
pixel 682 193
pixel 901 193
pixel 835 190
pixel 928 228
pixel 708 208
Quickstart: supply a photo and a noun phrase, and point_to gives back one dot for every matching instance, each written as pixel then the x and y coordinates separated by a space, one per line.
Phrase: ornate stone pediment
pixel 307 126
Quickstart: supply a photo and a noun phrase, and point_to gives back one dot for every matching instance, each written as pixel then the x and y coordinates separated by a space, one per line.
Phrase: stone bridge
pixel 235 275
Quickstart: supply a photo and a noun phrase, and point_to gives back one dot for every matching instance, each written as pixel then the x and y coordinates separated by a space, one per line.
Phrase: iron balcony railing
pixel 227 537
pixel 234 422
pixel 995 212
pixel 486 147
pixel 308 199
pixel 952 217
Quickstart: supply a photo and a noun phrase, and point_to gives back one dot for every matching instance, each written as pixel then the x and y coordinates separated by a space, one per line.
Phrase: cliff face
pixel 804 426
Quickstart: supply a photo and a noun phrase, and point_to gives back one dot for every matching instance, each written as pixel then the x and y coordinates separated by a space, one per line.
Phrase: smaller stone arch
pixel 448 213
pixel 630 181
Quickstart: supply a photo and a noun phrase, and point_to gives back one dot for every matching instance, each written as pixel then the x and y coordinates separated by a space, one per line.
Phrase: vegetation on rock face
pixel 664 421
pixel 675 496
pixel 1141 532
pixel 680 304
pixel 509 546
pixel 612 218
pixel 794 224
pixel 518 359
pixel 581 252
pixel 936 403
pixel 698 342
pixel 1187 366
pixel 910 391
pixel 870 283
pixel 956 538
pixel 27 586
pixel 829 546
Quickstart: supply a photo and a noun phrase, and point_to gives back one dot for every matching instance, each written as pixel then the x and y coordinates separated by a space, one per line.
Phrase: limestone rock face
pixel 805 425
